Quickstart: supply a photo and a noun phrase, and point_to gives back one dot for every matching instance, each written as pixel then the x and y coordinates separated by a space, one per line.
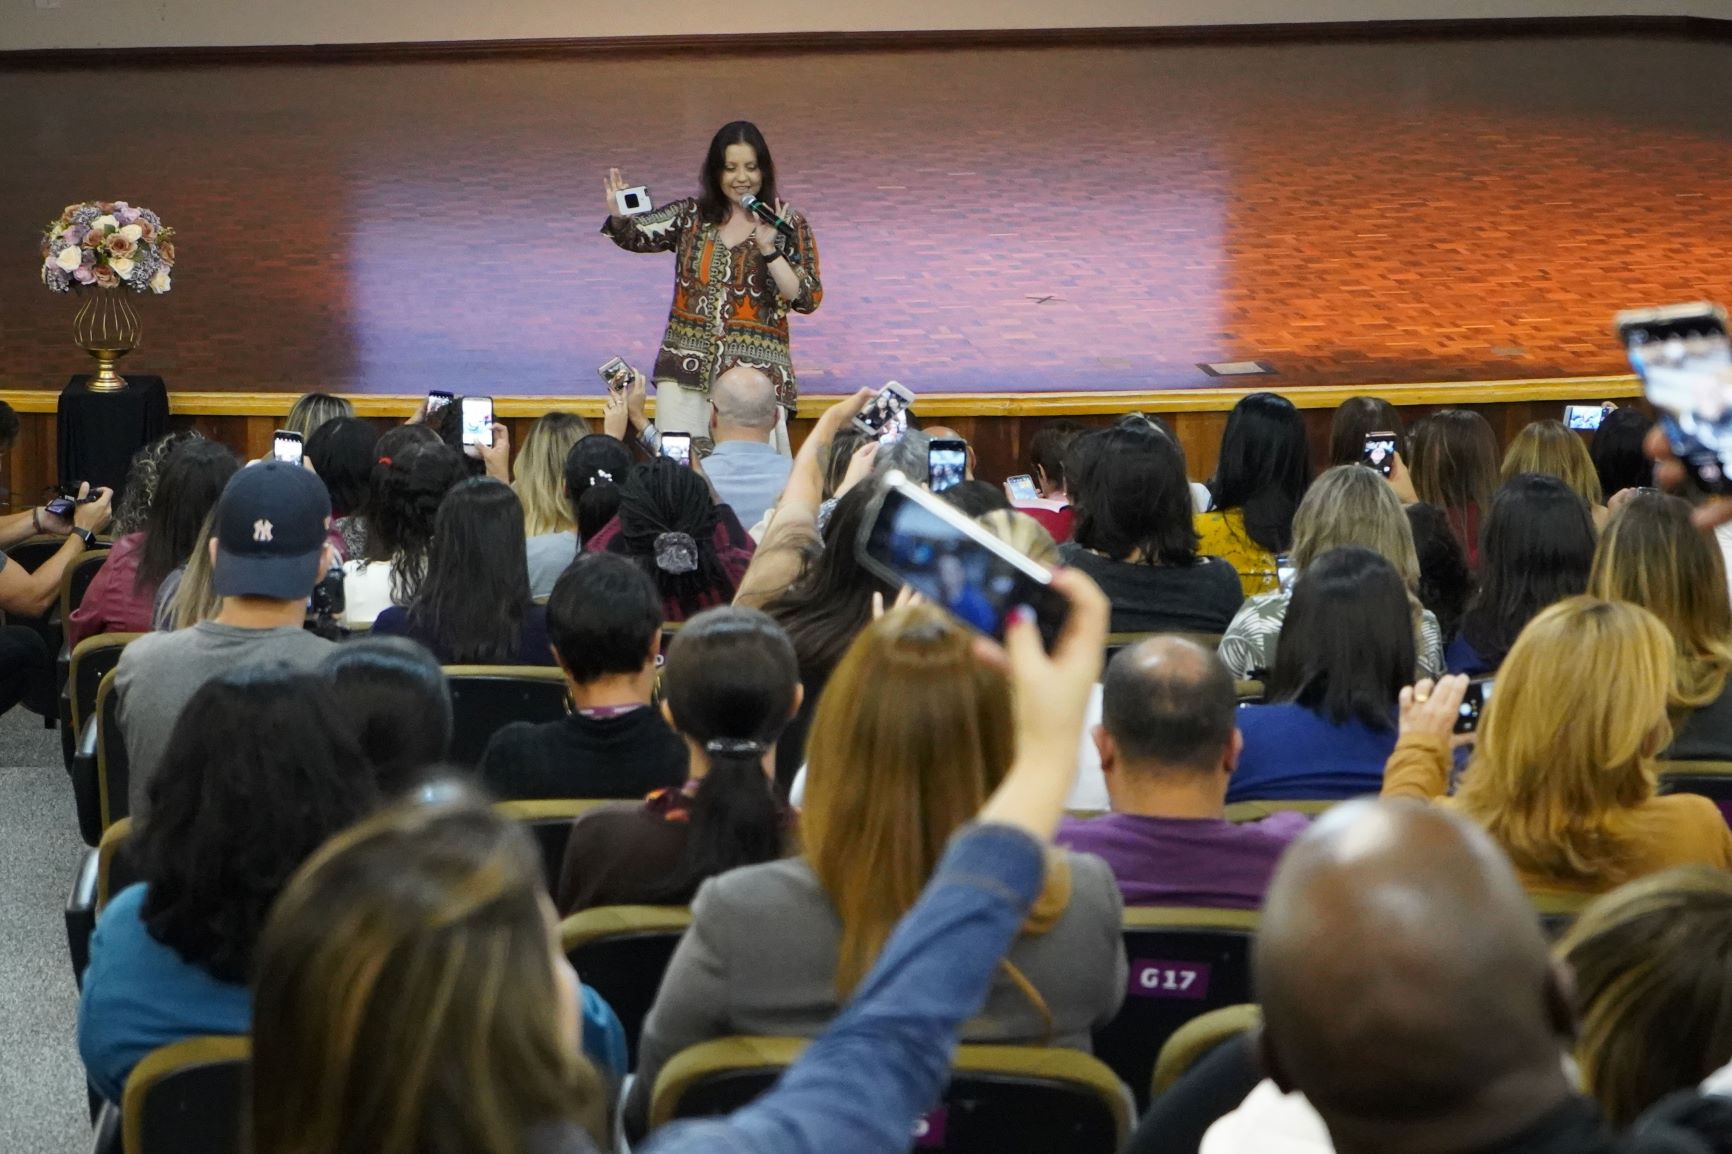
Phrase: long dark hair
pixel 1132 495
pixel 1617 451
pixel 1264 468
pixel 661 497
pixel 343 451
pixel 730 685
pixel 713 203
pixel 258 772
pixel 1355 419
pixel 830 602
pixel 192 479
pixel 393 695
pixel 595 468
pixel 1536 547
pixel 1444 582
pixel 477 585
pixel 402 507
pixel 1346 645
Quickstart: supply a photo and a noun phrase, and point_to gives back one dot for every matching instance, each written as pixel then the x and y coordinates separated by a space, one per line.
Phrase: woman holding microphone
pixel 736 278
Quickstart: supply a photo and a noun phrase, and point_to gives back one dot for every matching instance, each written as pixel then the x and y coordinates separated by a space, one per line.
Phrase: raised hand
pixel 614 183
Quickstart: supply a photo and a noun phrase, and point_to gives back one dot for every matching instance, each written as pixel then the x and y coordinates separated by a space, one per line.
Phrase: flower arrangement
pixel 107 244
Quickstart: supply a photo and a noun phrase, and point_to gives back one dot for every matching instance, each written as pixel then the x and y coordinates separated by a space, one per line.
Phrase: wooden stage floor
pixel 991 221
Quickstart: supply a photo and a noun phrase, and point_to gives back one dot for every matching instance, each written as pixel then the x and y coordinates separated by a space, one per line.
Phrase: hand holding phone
pixel 1586 418
pixel 616 375
pixel 1473 705
pixel 436 399
pixel 946 463
pixel 1379 452
pixel 1021 489
pixel 886 415
pixel 287 447
pixel 677 447
pixel 477 413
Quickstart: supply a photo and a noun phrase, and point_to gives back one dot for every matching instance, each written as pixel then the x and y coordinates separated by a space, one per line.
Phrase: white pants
pixel 683 410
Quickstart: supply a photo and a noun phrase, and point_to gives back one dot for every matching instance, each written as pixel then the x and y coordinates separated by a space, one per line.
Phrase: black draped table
pixel 99 432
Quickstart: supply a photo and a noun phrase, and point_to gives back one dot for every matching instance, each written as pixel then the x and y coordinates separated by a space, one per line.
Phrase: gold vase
pixel 106 327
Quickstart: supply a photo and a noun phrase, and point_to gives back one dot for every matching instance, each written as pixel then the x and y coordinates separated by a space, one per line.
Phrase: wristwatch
pixel 84 535
pixel 775 254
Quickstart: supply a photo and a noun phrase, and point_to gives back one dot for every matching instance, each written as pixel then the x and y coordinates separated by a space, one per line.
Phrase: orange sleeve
pixel 1418 768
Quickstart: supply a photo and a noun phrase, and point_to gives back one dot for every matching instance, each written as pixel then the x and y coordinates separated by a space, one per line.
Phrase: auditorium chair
pixel 184 1098
pixel 1118 641
pixel 487 698
pixel 93 660
pixel 112 774
pixel 1000 1100
pixel 1196 1038
pixel 1249 692
pixel 77 578
pixel 549 822
pixel 1240 812
pixel 103 872
pixel 1183 963
pixel 622 952
pixel 1710 779
pixel 1558 911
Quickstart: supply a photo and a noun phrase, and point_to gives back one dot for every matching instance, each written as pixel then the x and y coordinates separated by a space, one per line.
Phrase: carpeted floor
pixel 42 1097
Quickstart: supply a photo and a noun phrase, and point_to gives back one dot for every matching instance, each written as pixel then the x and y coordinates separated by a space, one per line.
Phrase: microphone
pixel 768 215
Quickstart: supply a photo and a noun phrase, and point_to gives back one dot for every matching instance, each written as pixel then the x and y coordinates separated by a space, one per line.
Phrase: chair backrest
pixel 77 578
pixel 1709 779
pixel 549 822
pixel 487 698
pixel 1183 963
pixel 186 1098
pixel 114 867
pixel 622 952
pixel 92 660
pixel 1000 1098
pixel 1241 812
pixel 1196 1038
pixel 1558 911
pixel 112 776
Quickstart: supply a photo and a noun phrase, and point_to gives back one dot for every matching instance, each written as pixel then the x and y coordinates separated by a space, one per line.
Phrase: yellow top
pixel 1223 535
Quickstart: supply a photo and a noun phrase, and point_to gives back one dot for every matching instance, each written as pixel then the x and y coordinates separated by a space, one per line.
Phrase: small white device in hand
pixel 632 201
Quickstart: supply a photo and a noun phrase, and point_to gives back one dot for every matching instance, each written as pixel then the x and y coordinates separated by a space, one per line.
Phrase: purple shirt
pixel 1184 861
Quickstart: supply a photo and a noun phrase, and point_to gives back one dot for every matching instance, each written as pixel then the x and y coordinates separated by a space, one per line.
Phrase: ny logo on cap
pixel 261 530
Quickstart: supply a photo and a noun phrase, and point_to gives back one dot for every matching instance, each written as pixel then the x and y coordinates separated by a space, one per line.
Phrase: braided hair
pixel 667 524
pixel 406 492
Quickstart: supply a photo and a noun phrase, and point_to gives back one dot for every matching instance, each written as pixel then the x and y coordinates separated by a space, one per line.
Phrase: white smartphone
pixel 1584 417
pixel 886 415
pixel 1021 488
pixel 477 422
pixel 287 447
pixel 616 375
pixel 437 399
pixel 633 201
pixel 677 447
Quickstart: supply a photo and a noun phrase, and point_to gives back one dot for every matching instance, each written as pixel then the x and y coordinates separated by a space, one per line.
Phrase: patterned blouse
pixel 1223 535
pixel 727 309
pixel 1248 646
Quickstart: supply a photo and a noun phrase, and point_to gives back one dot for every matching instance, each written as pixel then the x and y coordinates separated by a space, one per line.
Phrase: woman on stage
pixel 736 278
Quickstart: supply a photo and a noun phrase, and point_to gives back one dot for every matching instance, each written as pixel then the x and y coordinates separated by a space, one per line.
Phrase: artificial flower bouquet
pixel 107 244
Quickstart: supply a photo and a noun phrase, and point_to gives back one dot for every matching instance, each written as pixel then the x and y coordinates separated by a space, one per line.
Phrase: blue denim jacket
pixel 883 1063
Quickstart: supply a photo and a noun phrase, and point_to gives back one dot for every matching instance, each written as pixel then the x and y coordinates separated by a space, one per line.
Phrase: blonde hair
pixel 1653 982
pixel 1567 743
pixel 1351 505
pixel 1022 533
pixel 538 476
pixel 1651 555
pixel 1550 448
pixel 195 598
pixel 314 409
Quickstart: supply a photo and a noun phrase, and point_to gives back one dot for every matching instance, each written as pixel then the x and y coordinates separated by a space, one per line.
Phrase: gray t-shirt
pixel 550 554
pixel 159 673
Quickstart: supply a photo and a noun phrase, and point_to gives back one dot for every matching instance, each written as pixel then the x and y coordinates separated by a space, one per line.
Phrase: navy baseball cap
pixel 270 532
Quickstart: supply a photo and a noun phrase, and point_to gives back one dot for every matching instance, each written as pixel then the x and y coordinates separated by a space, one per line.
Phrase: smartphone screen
pixel 946 463
pixel 1021 488
pixel 914 539
pixel 886 415
pixel 1685 362
pixel 616 375
pixel 478 421
pixel 437 399
pixel 1478 693
pixel 61 507
pixel 287 447
pixel 1285 571
pixel 1584 417
pixel 1379 452
pixel 677 447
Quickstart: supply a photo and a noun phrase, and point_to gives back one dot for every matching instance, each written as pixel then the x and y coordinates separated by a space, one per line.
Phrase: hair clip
pixel 676 553
pixel 384 460
pixel 601 475
pixel 739 745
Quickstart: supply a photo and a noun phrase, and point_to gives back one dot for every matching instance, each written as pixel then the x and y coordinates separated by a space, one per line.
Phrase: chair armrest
pixel 87 785
pixel 106 1138
pixel 81 915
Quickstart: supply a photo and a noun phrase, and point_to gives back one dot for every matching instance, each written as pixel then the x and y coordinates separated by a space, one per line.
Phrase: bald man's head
pixel 1406 986
pixel 745 398
pixel 1168 702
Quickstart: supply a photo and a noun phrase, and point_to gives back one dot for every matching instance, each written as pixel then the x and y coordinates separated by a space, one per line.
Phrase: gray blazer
pixel 760 959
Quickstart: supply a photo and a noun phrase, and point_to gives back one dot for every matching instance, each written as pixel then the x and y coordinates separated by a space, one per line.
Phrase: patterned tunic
pixel 1248 646
pixel 727 309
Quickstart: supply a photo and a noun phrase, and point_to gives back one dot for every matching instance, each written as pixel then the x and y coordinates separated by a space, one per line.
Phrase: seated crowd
pixel 1255 706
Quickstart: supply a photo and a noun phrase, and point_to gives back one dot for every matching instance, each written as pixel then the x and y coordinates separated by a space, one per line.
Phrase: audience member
pixel 407 488
pixel 1650 962
pixel 745 467
pixel 1346 651
pixel 729 688
pixel 1135 537
pixel 1168 747
pixel 1357 418
pixel 122 596
pixel 975 499
pixel 1444 581
pixel 1551 449
pixel 1562 774
pixel 835 463
pixel 1201 498
pixel 540 483
pixel 185 596
pixel 1454 466
pixel 391 693
pixel 257 773
pixel 595 469
pixel 604 618
pixel 492 458
pixel 1347 505
pixel 1046 453
pixel 132 501
pixel 343 452
pixel 1652 556
pixel 1616 450
pixel 311 410
pixel 1537 548
pixel 268 552
pixel 473 607
pixel 670 525
pixel 914 721
pixel 1264 468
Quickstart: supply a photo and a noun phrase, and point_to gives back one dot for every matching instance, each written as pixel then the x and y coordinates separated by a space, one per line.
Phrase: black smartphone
pixel 1685 361
pixel 616 375
pixel 677 447
pixel 1472 705
pixel 287 447
pixel 437 399
pixel 1379 452
pixel 946 463
pixel 61 507
pixel 886 415
pixel 477 422
pixel 913 538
